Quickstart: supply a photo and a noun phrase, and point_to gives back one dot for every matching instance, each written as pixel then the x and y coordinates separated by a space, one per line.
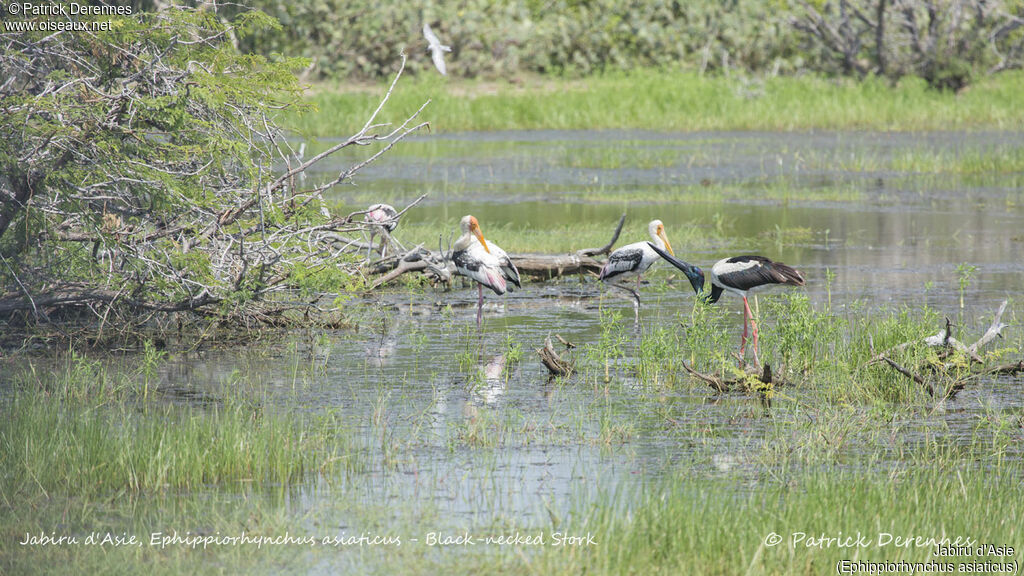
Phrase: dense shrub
pixel 946 42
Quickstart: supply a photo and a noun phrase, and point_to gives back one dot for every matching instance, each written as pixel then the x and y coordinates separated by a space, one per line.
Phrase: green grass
pixel 823 353
pixel 560 237
pixel 664 101
pixel 994 160
pixel 693 526
pixel 90 430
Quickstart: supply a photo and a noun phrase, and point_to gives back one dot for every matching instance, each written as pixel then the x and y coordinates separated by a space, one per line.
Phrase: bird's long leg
pixel 634 297
pixel 479 304
pixel 636 308
pixel 743 341
pixel 753 324
pixel 369 247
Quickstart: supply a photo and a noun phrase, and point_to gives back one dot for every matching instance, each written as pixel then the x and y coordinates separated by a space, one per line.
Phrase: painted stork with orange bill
pixel 483 262
pixel 634 260
pixel 738 275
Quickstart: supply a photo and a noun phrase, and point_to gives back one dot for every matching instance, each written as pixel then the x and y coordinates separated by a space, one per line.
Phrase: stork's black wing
pixel 748 272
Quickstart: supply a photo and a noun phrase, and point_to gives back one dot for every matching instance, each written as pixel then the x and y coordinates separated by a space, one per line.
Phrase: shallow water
pixel 899 242
pixel 456 433
pixel 887 235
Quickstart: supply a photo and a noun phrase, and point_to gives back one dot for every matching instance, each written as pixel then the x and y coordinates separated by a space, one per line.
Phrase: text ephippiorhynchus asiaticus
pixel 483 262
pixel 633 260
pixel 739 275
pixel 384 218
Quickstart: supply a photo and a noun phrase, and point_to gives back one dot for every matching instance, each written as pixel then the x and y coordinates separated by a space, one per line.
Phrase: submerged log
pixel 1011 369
pixel 721 383
pixel 555 364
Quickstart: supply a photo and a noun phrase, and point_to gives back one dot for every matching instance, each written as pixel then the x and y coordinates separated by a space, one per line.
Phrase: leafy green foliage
pixel 137 170
pixel 359 39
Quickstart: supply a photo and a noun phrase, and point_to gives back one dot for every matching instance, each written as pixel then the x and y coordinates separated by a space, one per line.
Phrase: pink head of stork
pixel 383 219
pixel 485 263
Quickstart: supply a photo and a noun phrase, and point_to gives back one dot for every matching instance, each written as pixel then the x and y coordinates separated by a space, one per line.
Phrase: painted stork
pixel 739 275
pixel 633 260
pixel 383 218
pixel 485 263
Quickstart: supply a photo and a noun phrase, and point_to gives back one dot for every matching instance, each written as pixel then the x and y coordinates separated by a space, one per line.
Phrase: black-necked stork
pixel 633 260
pixel 739 275
pixel 485 263
pixel 383 218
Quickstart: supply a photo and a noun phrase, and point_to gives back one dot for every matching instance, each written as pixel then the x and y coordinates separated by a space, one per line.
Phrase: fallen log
pixel 745 381
pixel 1012 368
pixel 417 259
pixel 541 266
pixel 915 377
pixel 555 364
pixel 943 339
pixel 547 267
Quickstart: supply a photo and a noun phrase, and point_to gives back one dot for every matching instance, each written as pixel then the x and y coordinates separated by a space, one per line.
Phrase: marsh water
pixel 463 429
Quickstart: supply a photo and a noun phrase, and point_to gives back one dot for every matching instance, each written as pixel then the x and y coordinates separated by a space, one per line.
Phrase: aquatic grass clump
pixel 798 335
pixel 75 377
pixel 90 449
pixel 814 348
pixel 91 427
pixel 688 525
pixel 609 350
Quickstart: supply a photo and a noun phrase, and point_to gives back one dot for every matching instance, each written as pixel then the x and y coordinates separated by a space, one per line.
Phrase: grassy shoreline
pixel 662 101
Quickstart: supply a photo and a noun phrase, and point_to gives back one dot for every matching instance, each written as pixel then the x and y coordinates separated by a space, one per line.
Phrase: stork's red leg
pixel 753 324
pixel 748 316
pixel 746 312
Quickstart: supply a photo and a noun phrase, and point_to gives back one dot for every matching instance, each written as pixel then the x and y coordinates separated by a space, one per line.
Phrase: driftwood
pixel 543 266
pixel 417 259
pixel 546 266
pixel 950 345
pixel 555 364
pixel 722 383
pixel 944 339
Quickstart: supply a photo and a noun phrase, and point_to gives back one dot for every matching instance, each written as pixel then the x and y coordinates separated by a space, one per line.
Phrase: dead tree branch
pixel 952 374
pixel 556 365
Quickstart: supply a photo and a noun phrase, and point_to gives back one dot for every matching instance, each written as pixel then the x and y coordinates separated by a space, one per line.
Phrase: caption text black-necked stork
pixel 483 262
pixel 739 275
pixel 384 218
pixel 633 260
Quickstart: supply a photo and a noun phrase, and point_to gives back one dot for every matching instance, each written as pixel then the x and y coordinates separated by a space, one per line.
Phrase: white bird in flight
pixel 436 49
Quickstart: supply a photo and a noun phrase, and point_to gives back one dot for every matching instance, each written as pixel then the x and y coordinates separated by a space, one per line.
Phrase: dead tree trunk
pixel 540 266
